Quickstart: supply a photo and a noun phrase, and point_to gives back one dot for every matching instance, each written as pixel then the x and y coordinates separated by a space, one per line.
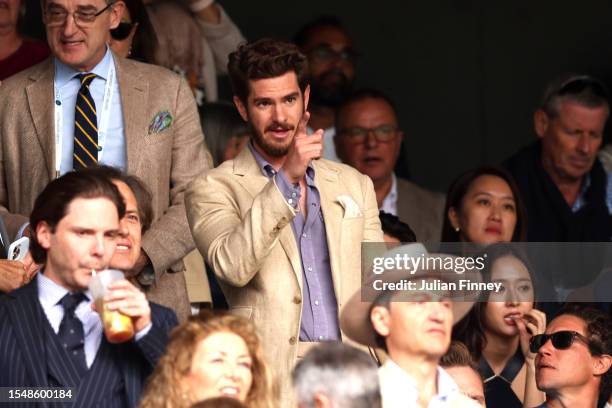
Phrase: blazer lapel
pixel 26 316
pixel 41 102
pixel 254 181
pixel 134 92
pixel 326 181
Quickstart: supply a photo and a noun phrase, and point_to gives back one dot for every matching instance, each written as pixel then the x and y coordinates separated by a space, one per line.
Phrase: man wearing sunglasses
pixel 566 191
pixel 369 139
pixel 85 106
pixel 574 358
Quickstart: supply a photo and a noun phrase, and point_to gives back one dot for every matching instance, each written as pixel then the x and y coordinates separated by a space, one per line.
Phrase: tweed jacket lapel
pixel 41 103
pixel 326 181
pixel 134 92
pixel 254 181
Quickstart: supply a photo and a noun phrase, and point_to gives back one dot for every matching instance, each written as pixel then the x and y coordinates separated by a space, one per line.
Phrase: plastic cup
pixel 118 327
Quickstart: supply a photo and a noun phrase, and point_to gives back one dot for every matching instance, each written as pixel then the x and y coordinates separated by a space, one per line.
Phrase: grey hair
pixel 593 93
pixel 346 375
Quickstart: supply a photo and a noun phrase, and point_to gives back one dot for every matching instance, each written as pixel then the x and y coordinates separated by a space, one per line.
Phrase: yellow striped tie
pixel 85 153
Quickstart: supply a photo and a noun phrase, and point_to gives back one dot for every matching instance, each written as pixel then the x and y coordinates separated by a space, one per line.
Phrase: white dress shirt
pixel 389 204
pixel 50 294
pixel 66 81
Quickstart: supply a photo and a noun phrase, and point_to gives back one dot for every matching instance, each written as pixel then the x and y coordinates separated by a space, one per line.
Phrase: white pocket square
pixel 351 209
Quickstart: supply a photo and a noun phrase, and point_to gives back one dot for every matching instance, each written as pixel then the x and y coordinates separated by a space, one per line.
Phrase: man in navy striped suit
pixel 50 336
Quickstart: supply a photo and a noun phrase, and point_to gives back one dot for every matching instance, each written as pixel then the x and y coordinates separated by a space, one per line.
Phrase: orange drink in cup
pixel 117 326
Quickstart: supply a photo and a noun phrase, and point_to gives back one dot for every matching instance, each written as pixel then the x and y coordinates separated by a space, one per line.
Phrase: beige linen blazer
pixel 166 161
pixel 241 224
pixel 422 209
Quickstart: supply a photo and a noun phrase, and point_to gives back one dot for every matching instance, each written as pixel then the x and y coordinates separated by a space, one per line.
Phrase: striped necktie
pixel 85 153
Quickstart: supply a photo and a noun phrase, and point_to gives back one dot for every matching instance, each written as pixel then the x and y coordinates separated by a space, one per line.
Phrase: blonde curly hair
pixel 164 390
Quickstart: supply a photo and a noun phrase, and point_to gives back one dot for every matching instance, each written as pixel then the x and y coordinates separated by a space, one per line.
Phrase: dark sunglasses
pixel 122 31
pixel 561 340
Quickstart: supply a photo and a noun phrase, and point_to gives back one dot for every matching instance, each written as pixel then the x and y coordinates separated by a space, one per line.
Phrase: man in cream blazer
pixel 166 154
pixel 281 229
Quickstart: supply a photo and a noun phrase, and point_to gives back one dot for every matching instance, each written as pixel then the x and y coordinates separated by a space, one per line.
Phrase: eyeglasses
pixel 561 340
pixel 326 54
pixel 57 16
pixel 122 31
pixel 358 135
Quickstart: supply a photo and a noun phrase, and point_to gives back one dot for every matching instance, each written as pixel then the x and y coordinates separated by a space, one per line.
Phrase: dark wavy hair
pixel 459 188
pixel 263 59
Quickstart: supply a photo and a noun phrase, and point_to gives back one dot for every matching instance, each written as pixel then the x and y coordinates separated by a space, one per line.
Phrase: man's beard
pixel 273 150
pixel 325 92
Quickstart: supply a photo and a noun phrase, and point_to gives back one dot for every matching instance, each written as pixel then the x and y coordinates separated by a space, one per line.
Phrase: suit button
pixel 292 340
pixel 297 300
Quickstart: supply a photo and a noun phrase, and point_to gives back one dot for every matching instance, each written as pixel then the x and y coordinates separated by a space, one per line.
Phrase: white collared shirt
pixel 49 295
pixel 399 390
pixel 389 204
pixel 68 84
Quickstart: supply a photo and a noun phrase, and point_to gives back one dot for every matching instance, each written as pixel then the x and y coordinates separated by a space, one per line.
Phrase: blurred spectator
pixel 16 52
pixel 13 274
pixel 368 138
pixel 498 328
pixel 195 38
pixel 394 230
pixel 331 56
pixel 225 131
pixel 484 206
pixel 219 402
pixel 414 328
pixel 574 358
pixel 335 375
pixel 134 37
pixel 458 362
pixel 211 356
pixel 567 192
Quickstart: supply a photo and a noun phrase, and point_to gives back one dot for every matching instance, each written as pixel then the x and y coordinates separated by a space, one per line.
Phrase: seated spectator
pixel 209 357
pixel 134 37
pixel 498 328
pixel 194 41
pixel 394 230
pixel 50 336
pixel 16 52
pixel 483 206
pixel 414 328
pixel 335 375
pixel 225 131
pixel 219 402
pixel 331 65
pixel 458 362
pixel 368 138
pixel 567 192
pixel 574 358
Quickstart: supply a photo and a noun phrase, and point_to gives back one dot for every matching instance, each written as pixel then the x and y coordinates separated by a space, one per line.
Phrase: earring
pixel 457 229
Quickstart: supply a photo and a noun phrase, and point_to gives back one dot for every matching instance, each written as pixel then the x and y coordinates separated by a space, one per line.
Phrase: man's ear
pixel 43 234
pixel 306 97
pixel 380 319
pixel 601 364
pixel 241 108
pixel 116 11
pixel 541 121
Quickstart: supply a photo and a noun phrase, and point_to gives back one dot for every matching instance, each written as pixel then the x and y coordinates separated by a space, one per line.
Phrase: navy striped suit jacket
pixel 24 357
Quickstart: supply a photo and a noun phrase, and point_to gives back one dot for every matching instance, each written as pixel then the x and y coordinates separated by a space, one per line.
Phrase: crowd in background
pixel 238 224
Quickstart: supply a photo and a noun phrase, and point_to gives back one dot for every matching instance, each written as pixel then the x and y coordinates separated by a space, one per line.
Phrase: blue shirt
pixel 66 81
pixel 319 306
pixel 581 200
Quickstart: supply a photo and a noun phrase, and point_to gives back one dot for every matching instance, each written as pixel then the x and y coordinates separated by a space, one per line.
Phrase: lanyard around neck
pixel 104 117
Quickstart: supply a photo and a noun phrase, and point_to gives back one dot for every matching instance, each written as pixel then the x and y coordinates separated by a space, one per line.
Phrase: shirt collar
pixel 267 169
pixel 445 384
pixel 65 73
pixel 50 293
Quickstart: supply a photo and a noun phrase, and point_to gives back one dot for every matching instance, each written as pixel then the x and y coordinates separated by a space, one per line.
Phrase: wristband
pixel 200 5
